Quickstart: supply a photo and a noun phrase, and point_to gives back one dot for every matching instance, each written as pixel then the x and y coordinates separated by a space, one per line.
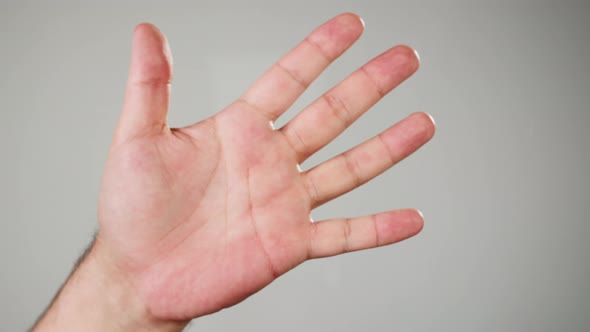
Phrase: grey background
pixel 504 185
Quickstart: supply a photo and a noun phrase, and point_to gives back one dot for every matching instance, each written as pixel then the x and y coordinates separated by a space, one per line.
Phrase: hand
pixel 196 219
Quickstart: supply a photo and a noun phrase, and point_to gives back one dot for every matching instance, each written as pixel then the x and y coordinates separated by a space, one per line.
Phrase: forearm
pixel 96 298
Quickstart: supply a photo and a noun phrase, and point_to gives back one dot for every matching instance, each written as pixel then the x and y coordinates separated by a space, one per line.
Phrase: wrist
pixel 98 297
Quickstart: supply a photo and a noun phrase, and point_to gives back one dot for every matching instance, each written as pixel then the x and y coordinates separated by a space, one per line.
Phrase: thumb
pixel 148 86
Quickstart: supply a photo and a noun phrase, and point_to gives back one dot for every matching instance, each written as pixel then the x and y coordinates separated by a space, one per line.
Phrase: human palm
pixel 198 218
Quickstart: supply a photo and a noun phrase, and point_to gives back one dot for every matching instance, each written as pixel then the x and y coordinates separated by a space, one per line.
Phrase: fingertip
pixel 337 34
pixel 151 55
pixel 410 55
pixel 415 217
pixel 351 24
pixel 145 26
pixel 426 124
pixel 354 18
pixel 398 225
pixel 419 220
pixel 392 67
pixel 148 31
pixel 412 221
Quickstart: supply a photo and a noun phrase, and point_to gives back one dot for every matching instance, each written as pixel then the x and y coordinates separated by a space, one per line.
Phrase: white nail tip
pixel 417 55
pixel 420 213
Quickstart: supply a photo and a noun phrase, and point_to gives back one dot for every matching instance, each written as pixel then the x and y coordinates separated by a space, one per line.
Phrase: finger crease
pixel 153 82
pixel 268 115
pixel 378 88
pixel 312 190
pixel 302 83
pixel 374 221
pixel 347 232
pixel 353 169
pixel 292 132
pixel 390 158
pixel 320 50
pixel 339 108
pixel 310 239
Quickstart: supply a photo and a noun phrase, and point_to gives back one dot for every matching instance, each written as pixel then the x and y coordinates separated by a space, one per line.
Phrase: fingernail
pixel 420 213
pixel 362 21
pixel 431 118
pixel 417 54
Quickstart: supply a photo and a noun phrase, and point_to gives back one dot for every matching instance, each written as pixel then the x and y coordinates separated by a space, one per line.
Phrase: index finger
pixel 278 88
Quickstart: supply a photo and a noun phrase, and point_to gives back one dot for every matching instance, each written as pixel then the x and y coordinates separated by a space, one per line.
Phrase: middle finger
pixel 331 114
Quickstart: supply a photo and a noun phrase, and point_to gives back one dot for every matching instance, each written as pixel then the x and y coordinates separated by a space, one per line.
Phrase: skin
pixel 196 219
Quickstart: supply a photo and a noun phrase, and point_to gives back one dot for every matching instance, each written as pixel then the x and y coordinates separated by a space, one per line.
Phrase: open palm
pixel 203 216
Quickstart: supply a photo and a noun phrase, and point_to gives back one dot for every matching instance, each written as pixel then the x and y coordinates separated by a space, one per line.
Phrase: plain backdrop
pixel 504 185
